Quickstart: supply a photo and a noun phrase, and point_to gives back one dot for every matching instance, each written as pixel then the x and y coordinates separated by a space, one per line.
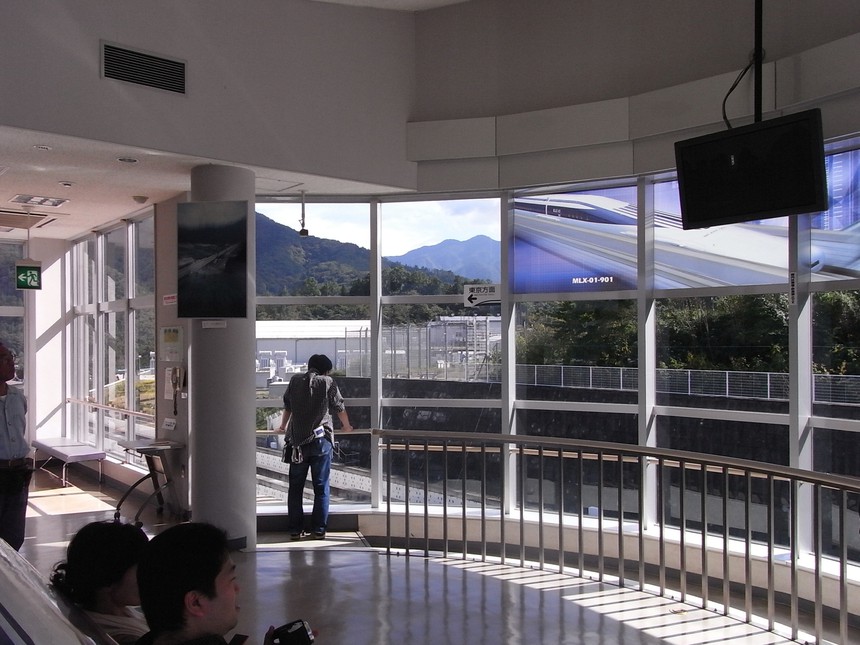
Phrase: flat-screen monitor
pixel 767 169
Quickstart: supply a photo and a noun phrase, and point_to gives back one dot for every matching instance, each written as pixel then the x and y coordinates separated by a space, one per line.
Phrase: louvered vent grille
pixel 143 69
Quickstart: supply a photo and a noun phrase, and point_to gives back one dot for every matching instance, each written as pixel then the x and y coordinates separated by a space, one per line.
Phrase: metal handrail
pixel 665 510
pixel 112 408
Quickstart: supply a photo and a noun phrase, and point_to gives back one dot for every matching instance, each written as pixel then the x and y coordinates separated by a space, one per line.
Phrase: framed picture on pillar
pixel 212 267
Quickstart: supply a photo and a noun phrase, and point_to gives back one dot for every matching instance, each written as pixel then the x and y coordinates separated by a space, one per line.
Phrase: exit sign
pixel 28 274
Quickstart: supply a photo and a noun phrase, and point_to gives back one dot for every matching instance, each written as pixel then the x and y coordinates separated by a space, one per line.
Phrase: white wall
pixel 47 337
pixel 286 84
pixel 498 57
pixel 630 135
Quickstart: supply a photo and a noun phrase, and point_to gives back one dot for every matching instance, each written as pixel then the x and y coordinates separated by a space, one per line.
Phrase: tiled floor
pixel 352 593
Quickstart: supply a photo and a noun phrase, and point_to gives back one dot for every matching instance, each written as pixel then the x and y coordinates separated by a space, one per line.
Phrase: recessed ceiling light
pixel 126 159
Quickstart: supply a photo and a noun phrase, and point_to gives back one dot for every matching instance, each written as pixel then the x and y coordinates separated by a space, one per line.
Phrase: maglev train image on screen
pixel 584 208
pixel 757 246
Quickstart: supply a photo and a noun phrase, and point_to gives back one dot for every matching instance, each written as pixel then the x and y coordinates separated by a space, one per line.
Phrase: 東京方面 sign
pixel 481 294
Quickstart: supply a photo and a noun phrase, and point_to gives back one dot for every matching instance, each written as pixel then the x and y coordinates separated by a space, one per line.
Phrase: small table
pixel 153 451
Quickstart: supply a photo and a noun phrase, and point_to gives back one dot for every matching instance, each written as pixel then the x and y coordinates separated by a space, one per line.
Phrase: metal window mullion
pixel 426 499
pixel 387 447
pixel 445 498
pixel 843 568
pixel 580 491
pixel 817 545
pixel 682 489
pixel 522 496
pixel 620 520
pixel 727 589
pixel 465 502
pixel 704 552
pixel 407 533
pixel 560 504
pixel 748 547
pixel 771 601
pixel 541 544
pixel 600 550
pixel 483 502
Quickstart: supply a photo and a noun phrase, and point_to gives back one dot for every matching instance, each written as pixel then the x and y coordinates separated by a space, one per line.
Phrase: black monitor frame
pixel 766 169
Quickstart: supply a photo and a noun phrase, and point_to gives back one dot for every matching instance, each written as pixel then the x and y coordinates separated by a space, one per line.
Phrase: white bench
pixel 68 451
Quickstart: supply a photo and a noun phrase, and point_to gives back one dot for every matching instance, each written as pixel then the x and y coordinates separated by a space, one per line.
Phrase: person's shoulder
pixel 146 639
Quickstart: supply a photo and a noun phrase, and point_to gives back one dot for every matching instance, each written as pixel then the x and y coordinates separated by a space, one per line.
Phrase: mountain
pixel 288 264
pixel 286 261
pixel 477 257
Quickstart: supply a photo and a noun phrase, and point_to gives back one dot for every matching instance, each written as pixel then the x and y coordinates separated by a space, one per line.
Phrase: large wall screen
pixel 836 231
pixel 575 242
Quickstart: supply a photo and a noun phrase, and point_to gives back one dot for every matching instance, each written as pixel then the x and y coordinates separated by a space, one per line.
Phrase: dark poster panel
pixel 212 240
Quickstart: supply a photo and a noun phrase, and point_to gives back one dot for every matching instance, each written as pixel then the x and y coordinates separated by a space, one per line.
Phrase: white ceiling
pixel 100 189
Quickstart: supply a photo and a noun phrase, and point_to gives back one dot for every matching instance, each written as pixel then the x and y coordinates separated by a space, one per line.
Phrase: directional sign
pixel 28 274
pixel 481 294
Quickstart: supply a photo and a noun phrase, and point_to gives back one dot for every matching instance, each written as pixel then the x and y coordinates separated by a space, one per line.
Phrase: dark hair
pixel 320 362
pixel 98 555
pixel 185 557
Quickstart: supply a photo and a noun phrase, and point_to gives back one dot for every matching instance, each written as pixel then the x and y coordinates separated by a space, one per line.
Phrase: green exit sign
pixel 28 274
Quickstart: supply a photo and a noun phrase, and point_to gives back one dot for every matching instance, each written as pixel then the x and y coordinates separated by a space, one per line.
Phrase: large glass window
pixel 723 352
pixel 115 287
pixel 435 247
pixel 144 257
pixel 11 306
pixel 577 350
pixel 331 258
pixel 113 342
pixel 9 295
pixel 722 333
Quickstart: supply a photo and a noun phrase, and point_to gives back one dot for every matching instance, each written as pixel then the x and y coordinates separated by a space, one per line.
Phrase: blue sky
pixel 404 226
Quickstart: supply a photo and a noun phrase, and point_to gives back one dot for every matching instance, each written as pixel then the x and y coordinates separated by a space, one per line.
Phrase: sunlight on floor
pixel 62 501
pixel 664 618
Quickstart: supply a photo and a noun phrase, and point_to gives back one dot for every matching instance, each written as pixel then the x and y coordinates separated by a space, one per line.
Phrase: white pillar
pixel 222 448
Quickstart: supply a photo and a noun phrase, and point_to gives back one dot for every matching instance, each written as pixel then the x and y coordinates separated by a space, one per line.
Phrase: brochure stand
pixel 155 454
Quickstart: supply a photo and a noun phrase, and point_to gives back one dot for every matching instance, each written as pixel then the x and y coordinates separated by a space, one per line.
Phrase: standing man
pixel 15 471
pixel 309 401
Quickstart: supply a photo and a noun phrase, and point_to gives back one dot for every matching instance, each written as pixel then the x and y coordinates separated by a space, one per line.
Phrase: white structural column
pixel 221 357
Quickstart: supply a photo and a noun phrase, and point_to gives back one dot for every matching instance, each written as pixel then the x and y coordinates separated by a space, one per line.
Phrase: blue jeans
pixel 317 459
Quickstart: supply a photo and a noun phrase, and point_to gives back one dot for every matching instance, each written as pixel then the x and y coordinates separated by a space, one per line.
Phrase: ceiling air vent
pixel 15 219
pixel 136 67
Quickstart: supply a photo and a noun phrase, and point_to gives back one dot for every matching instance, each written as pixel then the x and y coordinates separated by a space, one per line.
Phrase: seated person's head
pixel 101 566
pixel 187 582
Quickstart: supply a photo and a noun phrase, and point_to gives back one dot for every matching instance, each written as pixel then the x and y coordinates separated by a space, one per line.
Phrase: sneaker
pixel 297 536
pixel 319 534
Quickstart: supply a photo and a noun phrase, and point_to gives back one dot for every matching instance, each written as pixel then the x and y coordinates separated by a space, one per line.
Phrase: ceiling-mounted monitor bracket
pixel 758 55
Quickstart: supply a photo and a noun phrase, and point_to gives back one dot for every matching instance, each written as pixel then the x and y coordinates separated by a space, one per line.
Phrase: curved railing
pixel 714 531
